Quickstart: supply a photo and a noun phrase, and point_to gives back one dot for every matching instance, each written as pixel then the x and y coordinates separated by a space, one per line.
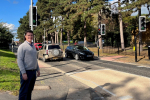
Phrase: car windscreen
pixel 81 48
pixel 39 44
pixel 53 47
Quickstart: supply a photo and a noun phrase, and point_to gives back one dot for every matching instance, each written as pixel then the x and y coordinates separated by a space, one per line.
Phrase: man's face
pixel 29 37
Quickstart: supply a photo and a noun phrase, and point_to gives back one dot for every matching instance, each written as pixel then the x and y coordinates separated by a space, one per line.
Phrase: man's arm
pixel 20 59
pixel 38 70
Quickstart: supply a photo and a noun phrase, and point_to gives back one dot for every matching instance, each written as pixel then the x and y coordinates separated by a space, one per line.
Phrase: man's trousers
pixel 27 85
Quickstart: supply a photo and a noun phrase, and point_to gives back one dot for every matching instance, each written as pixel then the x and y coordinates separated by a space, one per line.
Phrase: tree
pixel 5 36
pixel 24 25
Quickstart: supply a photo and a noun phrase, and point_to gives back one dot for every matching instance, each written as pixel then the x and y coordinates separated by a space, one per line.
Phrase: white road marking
pixel 125 97
pixel 85 71
pixel 96 85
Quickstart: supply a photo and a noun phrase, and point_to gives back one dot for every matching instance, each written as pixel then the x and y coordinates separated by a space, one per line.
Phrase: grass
pixel 9 72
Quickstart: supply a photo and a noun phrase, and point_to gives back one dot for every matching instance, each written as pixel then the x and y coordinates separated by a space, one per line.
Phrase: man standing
pixel 27 62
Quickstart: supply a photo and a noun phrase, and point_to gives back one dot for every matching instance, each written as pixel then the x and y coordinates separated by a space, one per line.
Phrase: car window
pixel 45 47
pixel 81 48
pixel 53 47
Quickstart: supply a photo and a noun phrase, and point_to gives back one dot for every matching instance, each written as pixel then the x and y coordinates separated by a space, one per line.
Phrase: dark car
pixel 78 52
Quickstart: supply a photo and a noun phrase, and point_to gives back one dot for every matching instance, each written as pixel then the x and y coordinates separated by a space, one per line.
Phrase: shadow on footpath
pixel 98 92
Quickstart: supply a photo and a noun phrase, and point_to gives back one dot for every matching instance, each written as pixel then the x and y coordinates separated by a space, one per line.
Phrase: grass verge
pixel 9 72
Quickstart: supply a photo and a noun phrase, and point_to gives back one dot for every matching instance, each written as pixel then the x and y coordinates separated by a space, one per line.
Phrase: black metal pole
pixel 149 52
pixel 118 48
pixel 139 48
pixel 98 51
pixel 135 51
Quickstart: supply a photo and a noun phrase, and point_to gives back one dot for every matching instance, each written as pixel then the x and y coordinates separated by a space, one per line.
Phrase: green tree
pixel 5 36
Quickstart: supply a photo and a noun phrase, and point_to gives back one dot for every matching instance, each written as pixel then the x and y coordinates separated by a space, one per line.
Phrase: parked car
pixel 78 52
pixel 50 51
pixel 38 45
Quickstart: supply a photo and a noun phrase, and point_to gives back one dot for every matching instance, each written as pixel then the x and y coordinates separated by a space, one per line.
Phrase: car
pixel 38 46
pixel 78 52
pixel 51 52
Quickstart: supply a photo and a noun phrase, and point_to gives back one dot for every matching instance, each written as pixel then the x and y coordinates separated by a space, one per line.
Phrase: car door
pixel 40 51
pixel 74 50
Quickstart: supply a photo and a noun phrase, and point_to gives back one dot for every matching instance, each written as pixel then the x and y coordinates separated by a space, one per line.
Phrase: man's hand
pixel 38 73
pixel 24 76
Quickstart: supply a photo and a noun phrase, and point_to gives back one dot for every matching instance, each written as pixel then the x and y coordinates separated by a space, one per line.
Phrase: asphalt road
pixel 70 65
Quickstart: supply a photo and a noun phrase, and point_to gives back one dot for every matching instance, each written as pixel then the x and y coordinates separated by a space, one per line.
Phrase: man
pixel 27 62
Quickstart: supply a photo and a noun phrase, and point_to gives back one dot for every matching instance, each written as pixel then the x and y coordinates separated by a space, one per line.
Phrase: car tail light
pixel 47 52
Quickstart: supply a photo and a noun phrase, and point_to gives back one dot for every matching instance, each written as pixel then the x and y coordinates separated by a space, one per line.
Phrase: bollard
pixel 149 52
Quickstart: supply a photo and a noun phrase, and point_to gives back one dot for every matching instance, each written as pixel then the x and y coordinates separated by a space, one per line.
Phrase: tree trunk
pixel 52 39
pixel 68 37
pixel 61 37
pixel 55 37
pixel 85 43
pixel 121 28
pixel 95 38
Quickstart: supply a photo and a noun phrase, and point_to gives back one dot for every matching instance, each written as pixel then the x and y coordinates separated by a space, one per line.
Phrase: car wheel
pixel 77 57
pixel 44 59
pixel 61 59
pixel 66 55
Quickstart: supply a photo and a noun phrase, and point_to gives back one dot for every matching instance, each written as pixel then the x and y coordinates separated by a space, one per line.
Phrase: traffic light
pixel 99 30
pixel 103 29
pixel 34 15
pixel 142 23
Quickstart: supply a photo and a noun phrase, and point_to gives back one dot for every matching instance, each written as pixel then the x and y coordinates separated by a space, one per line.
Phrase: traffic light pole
pixel 136 47
pixel 32 17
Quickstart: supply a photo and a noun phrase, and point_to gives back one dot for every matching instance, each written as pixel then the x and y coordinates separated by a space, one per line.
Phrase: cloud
pixel 10 26
pixel 144 9
pixel 15 2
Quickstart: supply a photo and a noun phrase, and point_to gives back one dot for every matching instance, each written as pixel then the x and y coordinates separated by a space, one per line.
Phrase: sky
pixel 12 10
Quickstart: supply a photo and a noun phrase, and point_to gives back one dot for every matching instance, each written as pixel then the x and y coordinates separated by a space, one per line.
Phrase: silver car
pixel 51 52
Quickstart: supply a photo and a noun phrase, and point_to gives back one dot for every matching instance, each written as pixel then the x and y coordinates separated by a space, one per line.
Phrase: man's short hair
pixel 30 31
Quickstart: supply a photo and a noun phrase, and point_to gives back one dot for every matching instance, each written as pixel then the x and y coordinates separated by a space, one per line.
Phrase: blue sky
pixel 12 10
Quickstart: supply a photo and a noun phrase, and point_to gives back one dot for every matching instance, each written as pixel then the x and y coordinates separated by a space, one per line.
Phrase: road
pixel 125 81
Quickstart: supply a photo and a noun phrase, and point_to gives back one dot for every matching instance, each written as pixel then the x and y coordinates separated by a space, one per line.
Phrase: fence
pixel 116 49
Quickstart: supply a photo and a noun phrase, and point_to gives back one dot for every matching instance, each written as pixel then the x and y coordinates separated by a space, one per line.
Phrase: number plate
pixel 54 58
pixel 89 55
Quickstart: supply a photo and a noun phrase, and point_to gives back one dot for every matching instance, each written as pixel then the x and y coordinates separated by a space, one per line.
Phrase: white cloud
pixel 10 26
pixel 144 9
